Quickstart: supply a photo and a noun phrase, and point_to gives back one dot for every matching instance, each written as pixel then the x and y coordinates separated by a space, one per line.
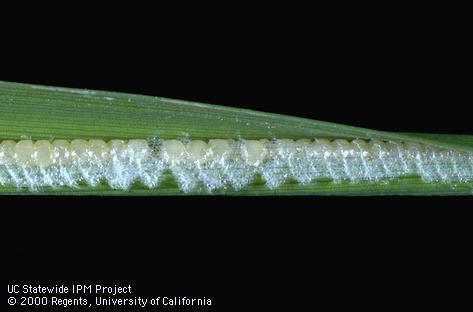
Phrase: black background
pixel 401 72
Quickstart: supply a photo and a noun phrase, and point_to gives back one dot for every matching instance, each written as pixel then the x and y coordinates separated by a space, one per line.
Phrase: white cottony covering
pixel 219 163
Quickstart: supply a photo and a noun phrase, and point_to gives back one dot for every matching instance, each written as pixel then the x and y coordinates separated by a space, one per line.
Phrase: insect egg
pixel 218 163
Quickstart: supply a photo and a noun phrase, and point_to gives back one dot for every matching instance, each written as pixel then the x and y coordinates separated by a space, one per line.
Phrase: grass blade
pixel 50 113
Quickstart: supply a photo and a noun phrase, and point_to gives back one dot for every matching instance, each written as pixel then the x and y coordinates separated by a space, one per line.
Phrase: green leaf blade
pixel 42 112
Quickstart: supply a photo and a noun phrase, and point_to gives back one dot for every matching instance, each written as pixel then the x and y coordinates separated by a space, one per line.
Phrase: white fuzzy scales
pixel 219 164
